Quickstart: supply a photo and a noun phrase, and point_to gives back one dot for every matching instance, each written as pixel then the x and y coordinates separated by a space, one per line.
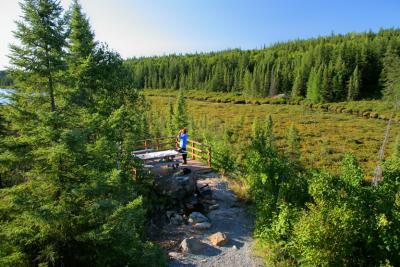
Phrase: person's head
pixel 183 130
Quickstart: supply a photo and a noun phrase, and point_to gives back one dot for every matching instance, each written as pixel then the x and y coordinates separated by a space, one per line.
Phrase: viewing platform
pixel 161 156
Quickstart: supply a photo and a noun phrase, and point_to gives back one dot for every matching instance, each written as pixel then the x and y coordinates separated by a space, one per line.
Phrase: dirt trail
pixel 230 218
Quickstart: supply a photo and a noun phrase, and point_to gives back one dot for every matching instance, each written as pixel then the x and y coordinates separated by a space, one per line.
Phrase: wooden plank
pixel 198 143
pixel 142 151
pixel 195 148
pixel 159 138
pixel 197 156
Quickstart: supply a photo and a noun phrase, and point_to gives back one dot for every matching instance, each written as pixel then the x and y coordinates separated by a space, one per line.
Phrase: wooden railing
pixel 196 150
pixel 160 143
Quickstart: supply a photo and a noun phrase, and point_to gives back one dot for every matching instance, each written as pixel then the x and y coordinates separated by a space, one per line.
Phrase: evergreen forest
pixel 68 193
pixel 325 69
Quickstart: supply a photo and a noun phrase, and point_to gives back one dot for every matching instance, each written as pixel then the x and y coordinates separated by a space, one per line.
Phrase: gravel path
pixel 230 218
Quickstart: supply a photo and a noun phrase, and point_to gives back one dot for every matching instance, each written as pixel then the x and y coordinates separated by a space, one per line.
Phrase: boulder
pixel 279 96
pixel 202 226
pixel 176 186
pixel 176 219
pixel 214 207
pixel 192 245
pixel 174 255
pixel 197 217
pixel 218 239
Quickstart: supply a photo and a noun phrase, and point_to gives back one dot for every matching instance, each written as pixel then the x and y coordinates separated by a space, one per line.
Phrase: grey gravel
pixel 230 218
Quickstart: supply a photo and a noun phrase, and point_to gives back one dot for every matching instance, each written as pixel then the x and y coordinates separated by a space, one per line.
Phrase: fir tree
pixel 78 204
pixel 390 77
pixel 313 84
pixel 269 131
pixel 297 85
pixel 293 142
pixel 81 57
pixel 353 85
pixel 180 118
pixel 39 58
pixel 170 121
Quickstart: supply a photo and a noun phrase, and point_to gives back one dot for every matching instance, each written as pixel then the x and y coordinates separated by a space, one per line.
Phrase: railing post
pixel 145 144
pixel 209 156
pixel 158 144
pixel 193 151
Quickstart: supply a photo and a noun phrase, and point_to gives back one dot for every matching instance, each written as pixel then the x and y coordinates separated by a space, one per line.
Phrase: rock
pixel 210 201
pixel 174 255
pixel 279 96
pixel 214 207
pixel 175 186
pixel 192 245
pixel 176 219
pixel 197 217
pixel 206 194
pixel 234 247
pixel 218 239
pixel 224 196
pixel 202 226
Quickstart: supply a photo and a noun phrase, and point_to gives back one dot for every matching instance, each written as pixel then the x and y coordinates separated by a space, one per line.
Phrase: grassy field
pixel 367 108
pixel 325 136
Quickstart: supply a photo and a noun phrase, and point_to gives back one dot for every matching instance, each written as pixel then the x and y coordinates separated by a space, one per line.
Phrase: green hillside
pixel 325 69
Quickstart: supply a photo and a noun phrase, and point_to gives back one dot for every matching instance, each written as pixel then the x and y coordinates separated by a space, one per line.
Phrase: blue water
pixel 3 95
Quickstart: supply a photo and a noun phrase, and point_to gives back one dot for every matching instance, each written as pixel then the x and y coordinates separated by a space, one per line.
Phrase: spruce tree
pixel 297 85
pixel 293 142
pixel 180 118
pixel 78 204
pixel 170 120
pixel 81 57
pixel 313 84
pixel 353 85
pixel 269 131
pixel 390 77
pixel 39 59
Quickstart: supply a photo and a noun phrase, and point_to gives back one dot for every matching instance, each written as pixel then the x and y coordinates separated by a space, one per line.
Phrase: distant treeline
pixel 323 69
pixel 5 79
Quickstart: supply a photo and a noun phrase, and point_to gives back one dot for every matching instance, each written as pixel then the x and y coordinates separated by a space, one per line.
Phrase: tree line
pixel 67 193
pixel 324 69
pixel 5 79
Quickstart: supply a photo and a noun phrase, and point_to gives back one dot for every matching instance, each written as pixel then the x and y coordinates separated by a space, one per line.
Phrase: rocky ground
pixel 222 237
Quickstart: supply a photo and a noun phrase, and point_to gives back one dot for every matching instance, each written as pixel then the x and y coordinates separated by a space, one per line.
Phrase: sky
pixel 157 27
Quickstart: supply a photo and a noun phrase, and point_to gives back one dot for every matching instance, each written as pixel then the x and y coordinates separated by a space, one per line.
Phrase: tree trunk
pixel 51 89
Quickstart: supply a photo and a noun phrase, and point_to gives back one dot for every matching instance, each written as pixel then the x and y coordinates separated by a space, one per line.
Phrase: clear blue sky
pixel 156 27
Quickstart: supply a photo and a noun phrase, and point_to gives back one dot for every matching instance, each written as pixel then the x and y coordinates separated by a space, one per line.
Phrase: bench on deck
pixel 142 151
pixel 174 164
pixel 156 159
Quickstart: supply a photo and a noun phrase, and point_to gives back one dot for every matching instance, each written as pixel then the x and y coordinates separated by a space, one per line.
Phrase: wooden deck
pixel 195 166
pixel 195 151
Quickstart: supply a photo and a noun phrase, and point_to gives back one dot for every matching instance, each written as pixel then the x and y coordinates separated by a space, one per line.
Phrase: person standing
pixel 183 138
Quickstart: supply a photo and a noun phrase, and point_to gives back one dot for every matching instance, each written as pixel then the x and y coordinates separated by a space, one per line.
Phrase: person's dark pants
pixel 184 155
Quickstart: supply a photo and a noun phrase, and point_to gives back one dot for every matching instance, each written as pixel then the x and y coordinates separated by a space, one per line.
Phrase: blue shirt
pixel 183 140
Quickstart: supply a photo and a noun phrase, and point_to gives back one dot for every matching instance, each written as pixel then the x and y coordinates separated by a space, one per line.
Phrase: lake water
pixel 3 93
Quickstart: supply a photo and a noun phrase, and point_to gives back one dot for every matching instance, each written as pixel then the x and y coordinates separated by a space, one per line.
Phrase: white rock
pixel 214 207
pixel 174 255
pixel 202 226
pixel 197 217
